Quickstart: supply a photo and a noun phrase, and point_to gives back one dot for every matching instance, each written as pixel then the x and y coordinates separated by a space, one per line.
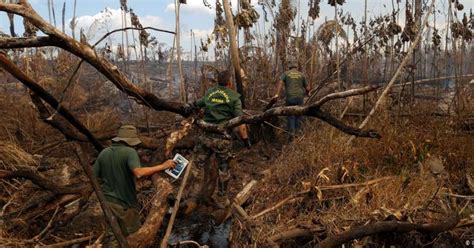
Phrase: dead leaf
pixel 345 174
pixel 319 193
pixel 361 196
pixel 470 183
pixel 435 164
pixel 322 175
pixel 390 213
pixel 306 186
pixel 413 149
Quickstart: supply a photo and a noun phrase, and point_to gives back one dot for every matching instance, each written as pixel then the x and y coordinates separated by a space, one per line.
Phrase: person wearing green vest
pixel 220 104
pixel 296 87
pixel 117 167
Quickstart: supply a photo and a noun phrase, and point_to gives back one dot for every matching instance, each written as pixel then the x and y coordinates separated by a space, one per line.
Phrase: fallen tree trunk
pixel 146 235
pixel 388 226
pixel 292 233
pixel 313 110
pixel 43 182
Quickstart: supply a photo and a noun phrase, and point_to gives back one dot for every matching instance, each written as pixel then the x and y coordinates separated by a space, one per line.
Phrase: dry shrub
pixel 103 121
pixel 13 156
pixel 320 157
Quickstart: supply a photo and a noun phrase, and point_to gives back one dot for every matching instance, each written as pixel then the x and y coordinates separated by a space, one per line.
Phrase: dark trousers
pixel 294 121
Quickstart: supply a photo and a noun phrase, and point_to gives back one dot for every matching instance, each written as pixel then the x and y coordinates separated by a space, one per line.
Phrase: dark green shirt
pixel 220 104
pixel 114 166
pixel 295 84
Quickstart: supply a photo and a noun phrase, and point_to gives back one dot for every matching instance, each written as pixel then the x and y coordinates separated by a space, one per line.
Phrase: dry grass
pixel 319 157
pixel 13 156
pixel 103 122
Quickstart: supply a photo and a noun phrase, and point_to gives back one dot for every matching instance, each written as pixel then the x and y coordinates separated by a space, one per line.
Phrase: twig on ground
pixel 69 242
pixel 467 197
pixel 293 233
pixel 46 228
pixel 329 187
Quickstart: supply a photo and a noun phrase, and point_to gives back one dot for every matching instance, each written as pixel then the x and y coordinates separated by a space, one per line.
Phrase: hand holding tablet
pixel 181 164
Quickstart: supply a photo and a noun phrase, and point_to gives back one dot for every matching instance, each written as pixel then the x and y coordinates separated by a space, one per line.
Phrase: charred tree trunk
pixel 240 77
pixel 417 51
pixel 283 20
pixel 387 226
pixel 12 24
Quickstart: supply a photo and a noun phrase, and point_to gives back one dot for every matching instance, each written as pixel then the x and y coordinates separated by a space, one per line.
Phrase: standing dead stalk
pixel 384 94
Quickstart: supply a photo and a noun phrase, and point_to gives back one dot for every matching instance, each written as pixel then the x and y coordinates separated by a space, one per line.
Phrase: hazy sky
pixel 194 15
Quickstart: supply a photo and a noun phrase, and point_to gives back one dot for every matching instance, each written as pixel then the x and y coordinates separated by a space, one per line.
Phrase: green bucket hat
pixel 128 134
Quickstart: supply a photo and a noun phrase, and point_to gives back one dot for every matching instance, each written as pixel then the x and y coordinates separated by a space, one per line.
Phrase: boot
pixel 221 198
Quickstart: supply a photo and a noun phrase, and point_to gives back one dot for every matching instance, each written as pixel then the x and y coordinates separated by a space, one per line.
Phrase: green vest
pixel 295 84
pixel 114 167
pixel 220 104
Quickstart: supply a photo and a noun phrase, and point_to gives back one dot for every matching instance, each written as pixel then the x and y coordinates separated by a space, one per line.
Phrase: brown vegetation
pixel 409 184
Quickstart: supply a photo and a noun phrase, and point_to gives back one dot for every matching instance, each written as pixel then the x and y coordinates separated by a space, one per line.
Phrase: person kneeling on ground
pixel 116 168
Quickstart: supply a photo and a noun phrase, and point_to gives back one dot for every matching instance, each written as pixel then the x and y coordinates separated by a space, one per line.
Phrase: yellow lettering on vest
pixel 213 96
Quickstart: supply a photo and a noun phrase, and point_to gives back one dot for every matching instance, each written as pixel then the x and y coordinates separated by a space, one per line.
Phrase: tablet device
pixel 181 164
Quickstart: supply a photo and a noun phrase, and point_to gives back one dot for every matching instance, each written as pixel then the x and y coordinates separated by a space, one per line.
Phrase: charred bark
pixel 43 182
pixel 240 77
pixel 388 226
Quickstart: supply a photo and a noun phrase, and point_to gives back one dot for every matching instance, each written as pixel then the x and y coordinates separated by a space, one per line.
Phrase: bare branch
pixel 311 110
pixel 19 42
pixel 43 182
pixel 70 134
pixel 344 94
pixel 130 28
